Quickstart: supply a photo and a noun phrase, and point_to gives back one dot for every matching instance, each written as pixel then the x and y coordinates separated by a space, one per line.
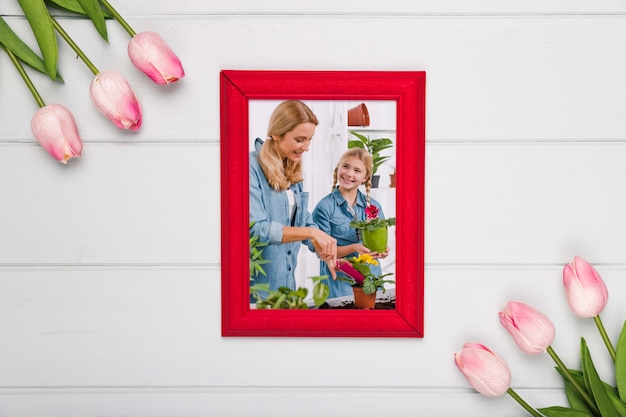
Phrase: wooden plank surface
pixel 510 78
pixel 109 267
pixel 158 326
pixel 525 203
pixel 359 7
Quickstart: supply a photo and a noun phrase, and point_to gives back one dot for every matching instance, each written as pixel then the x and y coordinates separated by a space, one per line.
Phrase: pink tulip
pixel 586 293
pixel 532 331
pixel 486 371
pixel 113 97
pixel 55 129
pixel 149 52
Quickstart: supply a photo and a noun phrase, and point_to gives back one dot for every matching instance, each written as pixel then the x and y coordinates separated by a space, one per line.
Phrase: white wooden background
pixel 110 266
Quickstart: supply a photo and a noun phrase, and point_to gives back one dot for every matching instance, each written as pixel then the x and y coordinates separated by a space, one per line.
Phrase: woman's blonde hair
pixel 282 172
pixel 365 157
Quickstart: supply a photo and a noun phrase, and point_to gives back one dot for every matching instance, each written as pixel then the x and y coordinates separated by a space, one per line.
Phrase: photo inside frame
pixel 330 141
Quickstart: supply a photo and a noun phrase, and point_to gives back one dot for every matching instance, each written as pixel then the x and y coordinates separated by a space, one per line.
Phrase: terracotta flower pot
pixel 362 300
pixel 375 240
pixel 359 116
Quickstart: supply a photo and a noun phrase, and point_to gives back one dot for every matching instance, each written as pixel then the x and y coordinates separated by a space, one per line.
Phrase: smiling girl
pixel 345 203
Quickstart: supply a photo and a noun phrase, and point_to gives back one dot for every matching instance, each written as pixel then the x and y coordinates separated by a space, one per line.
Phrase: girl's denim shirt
pixel 269 211
pixel 333 217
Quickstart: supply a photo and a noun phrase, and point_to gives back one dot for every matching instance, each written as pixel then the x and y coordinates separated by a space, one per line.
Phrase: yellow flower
pixel 365 258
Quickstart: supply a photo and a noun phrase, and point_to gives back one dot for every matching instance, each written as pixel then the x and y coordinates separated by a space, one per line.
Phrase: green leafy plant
pixel 373 283
pixel 283 297
pixel 357 271
pixel 373 146
pixel 372 221
pixel 286 298
pixel 256 255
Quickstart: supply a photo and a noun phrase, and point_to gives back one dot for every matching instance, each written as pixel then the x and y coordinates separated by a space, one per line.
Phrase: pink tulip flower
pixel 113 97
pixel 532 331
pixel 55 129
pixel 151 55
pixel 586 293
pixel 485 371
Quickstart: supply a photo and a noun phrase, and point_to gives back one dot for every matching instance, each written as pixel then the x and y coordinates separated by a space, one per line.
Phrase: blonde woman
pixel 278 204
pixel 345 203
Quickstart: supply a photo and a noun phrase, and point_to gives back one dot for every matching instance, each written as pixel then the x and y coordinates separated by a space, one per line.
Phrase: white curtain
pixel 329 143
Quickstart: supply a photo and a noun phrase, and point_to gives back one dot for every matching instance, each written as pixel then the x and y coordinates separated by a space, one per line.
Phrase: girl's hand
pixel 360 249
pixel 380 255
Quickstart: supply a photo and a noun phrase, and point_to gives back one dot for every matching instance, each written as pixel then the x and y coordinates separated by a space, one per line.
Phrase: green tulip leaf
pixel 92 7
pixel 41 23
pixel 620 363
pixel 619 405
pixel 575 399
pixel 67 5
pixel 10 40
pixel 578 376
pixel 72 6
pixel 577 402
pixel 563 412
pixel 593 382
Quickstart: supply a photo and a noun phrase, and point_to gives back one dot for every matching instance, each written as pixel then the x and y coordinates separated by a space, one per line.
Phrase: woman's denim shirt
pixel 333 217
pixel 269 210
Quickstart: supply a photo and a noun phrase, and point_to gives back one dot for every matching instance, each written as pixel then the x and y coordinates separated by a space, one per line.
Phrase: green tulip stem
pixel 25 77
pixel 583 393
pixel 75 47
pixel 118 17
pixel 605 337
pixel 523 403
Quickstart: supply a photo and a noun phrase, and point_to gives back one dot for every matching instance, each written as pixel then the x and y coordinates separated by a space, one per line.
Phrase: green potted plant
pixel 286 298
pixel 374 230
pixel 364 283
pixel 374 147
pixel 283 297
pixel 256 255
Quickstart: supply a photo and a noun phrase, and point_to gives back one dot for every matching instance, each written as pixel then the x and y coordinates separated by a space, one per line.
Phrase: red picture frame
pixel 407 89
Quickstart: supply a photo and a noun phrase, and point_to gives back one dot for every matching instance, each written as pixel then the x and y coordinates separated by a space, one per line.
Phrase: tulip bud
pixel 586 293
pixel 55 129
pixel 151 55
pixel 113 97
pixel 532 331
pixel 485 371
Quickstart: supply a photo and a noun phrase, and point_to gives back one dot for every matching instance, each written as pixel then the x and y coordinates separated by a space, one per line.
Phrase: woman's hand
pixel 325 245
pixel 326 248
